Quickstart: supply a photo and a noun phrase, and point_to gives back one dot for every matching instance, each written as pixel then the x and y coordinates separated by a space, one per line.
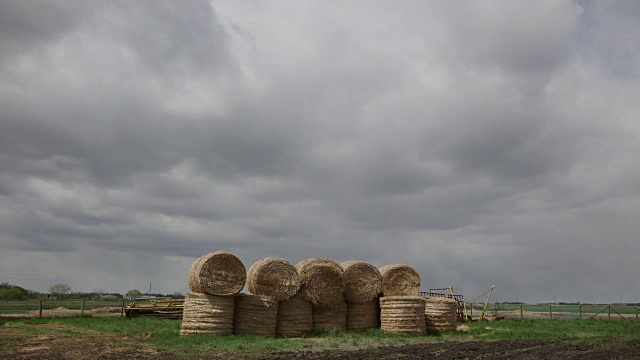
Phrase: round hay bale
pixel 255 315
pixel 440 314
pixel 363 316
pixel 295 316
pixel 273 277
pixel 362 281
pixel 218 273
pixel 400 280
pixel 207 314
pixel 328 318
pixel 323 281
pixel 402 314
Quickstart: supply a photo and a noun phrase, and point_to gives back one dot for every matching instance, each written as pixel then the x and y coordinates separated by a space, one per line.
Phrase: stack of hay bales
pixel 255 315
pixel 274 277
pixel 400 280
pixel 363 285
pixel 328 318
pixel 214 279
pixel 295 316
pixel 322 281
pixel 207 314
pixel 440 314
pixel 402 314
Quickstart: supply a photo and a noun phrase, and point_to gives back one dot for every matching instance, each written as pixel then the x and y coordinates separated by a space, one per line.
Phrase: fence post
pixel 472 310
pixel 82 308
pixel 550 313
pixel 521 314
pixel 609 309
pixel 122 308
pixel 40 307
pixel 580 308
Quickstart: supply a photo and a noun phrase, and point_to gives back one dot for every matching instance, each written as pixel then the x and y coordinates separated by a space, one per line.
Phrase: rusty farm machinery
pixel 461 305
pixel 157 307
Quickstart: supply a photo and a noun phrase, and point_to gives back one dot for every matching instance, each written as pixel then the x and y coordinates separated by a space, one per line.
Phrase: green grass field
pixel 165 333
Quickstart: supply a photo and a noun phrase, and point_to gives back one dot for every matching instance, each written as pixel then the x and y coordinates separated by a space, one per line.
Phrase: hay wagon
pixel 158 307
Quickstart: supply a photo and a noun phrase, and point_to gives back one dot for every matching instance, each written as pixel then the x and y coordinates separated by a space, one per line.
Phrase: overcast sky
pixel 478 141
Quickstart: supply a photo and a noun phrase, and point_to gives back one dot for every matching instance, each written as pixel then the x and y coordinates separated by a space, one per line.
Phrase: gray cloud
pixel 480 143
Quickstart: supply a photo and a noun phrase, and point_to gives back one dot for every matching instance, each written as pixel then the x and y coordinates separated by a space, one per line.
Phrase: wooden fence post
pixel 609 310
pixel 580 308
pixel 122 308
pixel 40 307
pixel 82 308
pixel 550 312
pixel 521 314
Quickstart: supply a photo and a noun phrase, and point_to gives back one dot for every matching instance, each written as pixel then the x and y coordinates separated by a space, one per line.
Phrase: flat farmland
pixel 147 338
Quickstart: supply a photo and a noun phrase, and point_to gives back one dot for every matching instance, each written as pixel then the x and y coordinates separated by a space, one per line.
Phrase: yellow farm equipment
pixel 158 307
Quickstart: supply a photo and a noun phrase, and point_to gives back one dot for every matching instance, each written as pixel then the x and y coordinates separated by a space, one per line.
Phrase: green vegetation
pixel 164 333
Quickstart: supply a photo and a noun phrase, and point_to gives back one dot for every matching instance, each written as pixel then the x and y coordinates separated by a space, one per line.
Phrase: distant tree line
pixel 62 291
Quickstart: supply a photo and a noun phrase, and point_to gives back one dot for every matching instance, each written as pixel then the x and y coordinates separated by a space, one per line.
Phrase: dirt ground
pixel 74 343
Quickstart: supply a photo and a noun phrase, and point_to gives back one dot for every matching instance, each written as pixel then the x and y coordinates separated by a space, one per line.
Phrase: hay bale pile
pixel 207 314
pixel 402 314
pixel 274 277
pixel 328 318
pixel 295 316
pixel 362 281
pixel 214 279
pixel 440 314
pixel 323 281
pixel 400 280
pixel 255 315
pixel 363 316
pixel 217 273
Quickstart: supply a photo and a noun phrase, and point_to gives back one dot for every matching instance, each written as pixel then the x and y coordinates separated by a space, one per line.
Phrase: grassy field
pixel 164 333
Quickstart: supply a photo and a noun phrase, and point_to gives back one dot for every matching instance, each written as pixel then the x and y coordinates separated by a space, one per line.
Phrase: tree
pixel 134 292
pixel 59 289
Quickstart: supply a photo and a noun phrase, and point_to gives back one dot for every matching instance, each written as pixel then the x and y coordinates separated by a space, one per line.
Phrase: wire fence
pixel 557 311
pixel 79 307
pixel 59 308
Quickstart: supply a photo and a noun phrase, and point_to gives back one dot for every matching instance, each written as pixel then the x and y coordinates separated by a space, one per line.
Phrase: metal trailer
pixel 157 307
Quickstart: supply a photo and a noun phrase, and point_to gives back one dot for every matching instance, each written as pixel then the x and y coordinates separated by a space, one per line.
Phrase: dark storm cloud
pixel 495 139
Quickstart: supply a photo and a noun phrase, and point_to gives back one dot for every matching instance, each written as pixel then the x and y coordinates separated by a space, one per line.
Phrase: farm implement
pixel 156 307
pixel 461 308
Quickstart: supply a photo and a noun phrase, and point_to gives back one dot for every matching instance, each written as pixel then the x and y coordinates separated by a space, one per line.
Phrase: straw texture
pixel 273 277
pixel 207 314
pixel 440 314
pixel 400 280
pixel 295 316
pixel 323 281
pixel 362 281
pixel 328 318
pixel 402 314
pixel 363 316
pixel 218 273
pixel 255 315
